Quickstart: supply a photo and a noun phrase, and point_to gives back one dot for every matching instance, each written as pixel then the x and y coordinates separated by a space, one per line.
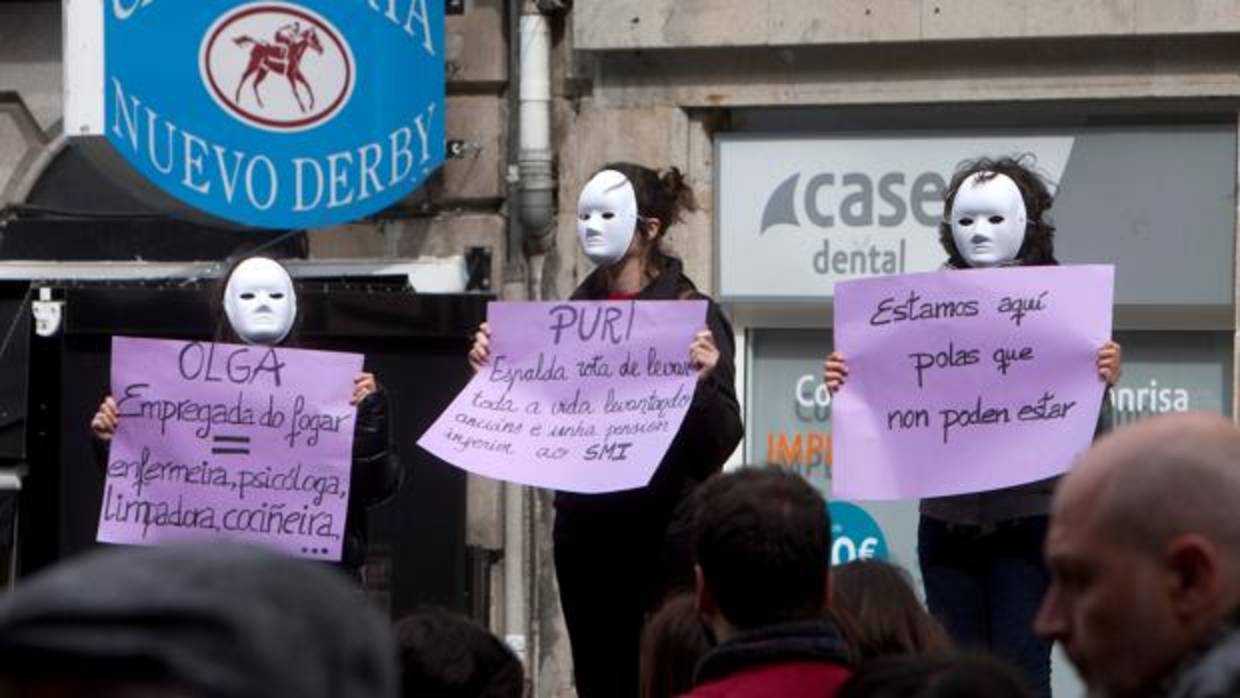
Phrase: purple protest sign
pixel 578 396
pixel 225 441
pixel 966 381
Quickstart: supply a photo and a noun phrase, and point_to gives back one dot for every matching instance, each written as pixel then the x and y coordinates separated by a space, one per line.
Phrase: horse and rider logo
pixel 277 66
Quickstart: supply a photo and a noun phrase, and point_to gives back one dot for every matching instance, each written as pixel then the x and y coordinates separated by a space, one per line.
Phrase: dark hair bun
pixel 677 189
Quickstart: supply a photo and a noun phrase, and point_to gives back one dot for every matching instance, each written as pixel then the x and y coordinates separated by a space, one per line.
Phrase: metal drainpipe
pixel 515 617
pixel 514 259
pixel 536 212
pixel 536 164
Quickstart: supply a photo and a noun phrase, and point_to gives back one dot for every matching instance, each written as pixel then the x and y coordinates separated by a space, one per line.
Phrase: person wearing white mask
pixel 259 303
pixel 988 220
pixel 618 554
pixel 981 554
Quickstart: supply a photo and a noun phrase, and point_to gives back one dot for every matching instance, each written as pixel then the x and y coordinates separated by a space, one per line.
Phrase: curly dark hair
pixel 1039 246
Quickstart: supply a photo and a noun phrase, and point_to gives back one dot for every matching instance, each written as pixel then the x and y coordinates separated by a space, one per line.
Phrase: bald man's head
pixel 1144 542
pixel 1159 479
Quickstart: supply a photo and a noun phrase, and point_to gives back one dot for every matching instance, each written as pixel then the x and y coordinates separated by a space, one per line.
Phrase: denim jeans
pixel 984 584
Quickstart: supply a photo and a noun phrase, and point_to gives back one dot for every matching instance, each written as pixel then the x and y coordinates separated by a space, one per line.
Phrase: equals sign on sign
pixel 230 445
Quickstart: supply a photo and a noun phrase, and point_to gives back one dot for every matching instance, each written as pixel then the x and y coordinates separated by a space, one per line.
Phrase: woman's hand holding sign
pixel 481 351
pixel 703 353
pixel 834 372
pixel 105 420
pixel 1110 360
pixel 363 385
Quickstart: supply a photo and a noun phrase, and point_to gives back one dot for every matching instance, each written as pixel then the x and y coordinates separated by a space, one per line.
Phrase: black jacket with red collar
pixel 711 430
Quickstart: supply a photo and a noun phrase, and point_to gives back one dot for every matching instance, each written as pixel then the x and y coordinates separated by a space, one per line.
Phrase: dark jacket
pixel 793 660
pixel 710 432
pixel 375 476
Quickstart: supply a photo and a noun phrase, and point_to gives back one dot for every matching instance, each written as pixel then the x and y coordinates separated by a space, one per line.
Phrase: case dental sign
pixel 276 114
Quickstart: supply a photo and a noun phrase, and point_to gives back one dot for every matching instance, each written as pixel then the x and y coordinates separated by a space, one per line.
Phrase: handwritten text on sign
pixel 966 381
pixel 227 441
pixel 580 396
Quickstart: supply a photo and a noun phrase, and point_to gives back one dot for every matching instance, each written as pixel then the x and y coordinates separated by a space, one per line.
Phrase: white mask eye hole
pixel 996 220
pixel 583 216
pixel 247 296
pixel 608 215
pixel 277 296
pixel 966 221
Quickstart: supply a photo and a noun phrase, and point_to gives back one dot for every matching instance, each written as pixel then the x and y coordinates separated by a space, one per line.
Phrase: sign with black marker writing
pixel 217 441
pixel 579 396
pixel 967 380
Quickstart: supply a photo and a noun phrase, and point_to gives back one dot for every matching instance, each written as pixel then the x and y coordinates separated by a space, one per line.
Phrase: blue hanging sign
pixel 277 114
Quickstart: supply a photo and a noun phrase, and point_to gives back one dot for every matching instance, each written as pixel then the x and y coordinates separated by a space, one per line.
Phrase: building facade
pixel 857 112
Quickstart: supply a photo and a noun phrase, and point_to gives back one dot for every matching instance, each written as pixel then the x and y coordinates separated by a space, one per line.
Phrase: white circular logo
pixel 277 66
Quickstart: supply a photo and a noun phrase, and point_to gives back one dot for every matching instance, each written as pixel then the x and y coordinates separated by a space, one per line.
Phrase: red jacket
pixel 783 680
pixel 806 659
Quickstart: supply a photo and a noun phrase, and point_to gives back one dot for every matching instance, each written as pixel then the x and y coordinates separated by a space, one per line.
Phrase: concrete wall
pixel 671 24
pixel 30 89
pixel 1060 69
pixel 460 207
pixel 30 58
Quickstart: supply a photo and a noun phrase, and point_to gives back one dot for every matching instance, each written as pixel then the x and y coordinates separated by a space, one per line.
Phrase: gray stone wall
pixel 673 24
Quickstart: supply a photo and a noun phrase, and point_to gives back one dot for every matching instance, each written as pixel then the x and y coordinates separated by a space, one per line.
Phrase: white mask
pixel 988 220
pixel 606 217
pixel 260 302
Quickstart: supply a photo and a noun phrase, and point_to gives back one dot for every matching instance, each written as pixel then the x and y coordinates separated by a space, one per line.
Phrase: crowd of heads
pixel 761 542
pixel 1143 548
pixel 232 621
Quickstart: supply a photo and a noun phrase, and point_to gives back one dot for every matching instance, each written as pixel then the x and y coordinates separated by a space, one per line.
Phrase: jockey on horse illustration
pixel 282 58
pixel 288 34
